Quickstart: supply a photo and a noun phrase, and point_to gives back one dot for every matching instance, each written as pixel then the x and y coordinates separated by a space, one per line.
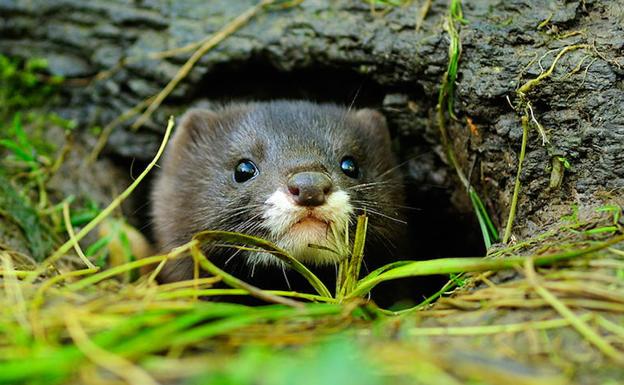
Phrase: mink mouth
pixel 294 227
pixel 310 221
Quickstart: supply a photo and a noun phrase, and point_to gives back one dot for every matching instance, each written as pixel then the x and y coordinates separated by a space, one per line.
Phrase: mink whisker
pixel 232 257
pixel 374 184
pixel 391 169
pixel 384 204
pixel 286 277
pixel 368 209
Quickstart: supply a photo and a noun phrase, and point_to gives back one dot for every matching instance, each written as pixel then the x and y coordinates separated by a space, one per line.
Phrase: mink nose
pixel 309 188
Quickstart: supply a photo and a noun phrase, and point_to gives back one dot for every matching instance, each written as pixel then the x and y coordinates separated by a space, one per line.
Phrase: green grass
pixel 350 286
pixel 60 326
pixel 18 209
pixel 68 321
pixel 27 159
pixel 446 99
pixel 24 84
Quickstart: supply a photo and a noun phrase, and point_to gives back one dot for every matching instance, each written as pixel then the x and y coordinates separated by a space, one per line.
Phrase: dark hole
pixel 257 80
pixel 436 227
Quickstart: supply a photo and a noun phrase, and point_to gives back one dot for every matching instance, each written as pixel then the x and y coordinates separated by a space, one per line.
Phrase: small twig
pixel 206 45
pixel 538 125
pixel 159 55
pixel 533 82
pixel 422 14
pixel 574 70
pixel 154 102
pixel 108 130
pixel 528 113
pixel 586 71
pixel 539 62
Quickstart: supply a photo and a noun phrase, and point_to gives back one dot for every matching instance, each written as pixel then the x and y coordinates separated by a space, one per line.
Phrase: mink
pixel 296 173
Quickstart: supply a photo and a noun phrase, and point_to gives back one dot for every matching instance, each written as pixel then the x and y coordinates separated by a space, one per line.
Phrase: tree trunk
pixel 337 50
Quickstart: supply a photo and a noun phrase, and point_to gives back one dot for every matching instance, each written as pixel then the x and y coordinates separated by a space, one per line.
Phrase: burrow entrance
pixel 436 228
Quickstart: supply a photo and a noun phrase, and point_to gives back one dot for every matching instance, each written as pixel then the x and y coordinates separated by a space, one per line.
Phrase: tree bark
pixel 328 50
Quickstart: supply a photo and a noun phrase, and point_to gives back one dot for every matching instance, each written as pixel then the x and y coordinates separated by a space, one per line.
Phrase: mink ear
pixel 196 126
pixel 374 124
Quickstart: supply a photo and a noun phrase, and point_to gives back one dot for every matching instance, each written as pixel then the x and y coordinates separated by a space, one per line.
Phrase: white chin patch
pixel 294 228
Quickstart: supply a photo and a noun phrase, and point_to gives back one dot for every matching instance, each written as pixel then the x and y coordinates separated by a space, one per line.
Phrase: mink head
pixel 294 173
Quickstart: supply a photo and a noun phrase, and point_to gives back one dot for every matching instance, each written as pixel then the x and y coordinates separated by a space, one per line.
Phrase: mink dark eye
pixel 245 170
pixel 349 166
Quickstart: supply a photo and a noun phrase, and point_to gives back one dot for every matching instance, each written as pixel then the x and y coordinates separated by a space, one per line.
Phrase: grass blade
pixel 460 265
pixel 269 247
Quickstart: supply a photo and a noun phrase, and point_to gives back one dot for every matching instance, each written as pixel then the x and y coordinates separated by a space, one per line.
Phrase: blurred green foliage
pixel 24 84
pixel 338 361
pixel 24 89
pixel 27 156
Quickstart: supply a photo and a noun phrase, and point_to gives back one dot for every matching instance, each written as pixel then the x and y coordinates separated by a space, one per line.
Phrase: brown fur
pixel 195 189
